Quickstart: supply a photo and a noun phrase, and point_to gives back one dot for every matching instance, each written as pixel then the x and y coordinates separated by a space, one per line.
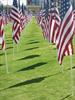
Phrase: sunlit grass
pixel 34 73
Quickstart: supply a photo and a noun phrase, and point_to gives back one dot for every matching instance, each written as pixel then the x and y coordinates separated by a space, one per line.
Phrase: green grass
pixel 34 73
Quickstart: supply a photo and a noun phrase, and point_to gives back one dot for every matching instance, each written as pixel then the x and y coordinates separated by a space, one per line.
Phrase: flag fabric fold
pixel 58 26
pixel 74 19
pixel 2 42
pixel 15 16
pixel 66 30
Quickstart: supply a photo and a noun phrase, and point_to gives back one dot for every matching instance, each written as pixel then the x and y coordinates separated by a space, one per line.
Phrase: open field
pixel 34 72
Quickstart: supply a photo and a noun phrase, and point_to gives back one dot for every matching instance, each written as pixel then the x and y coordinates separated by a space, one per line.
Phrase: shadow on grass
pixel 33 66
pixel 30 57
pixel 32 48
pixel 8 40
pixel 54 48
pixel 1 64
pixel 73 67
pixel 66 97
pixel 31 40
pixel 32 81
pixel 70 68
pixel 2 54
pixel 9 43
pixel 34 42
pixel 9 47
pixel 27 82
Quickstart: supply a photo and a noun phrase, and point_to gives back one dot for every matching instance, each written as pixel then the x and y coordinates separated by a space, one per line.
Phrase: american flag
pixel 40 16
pixel 49 20
pixel 24 18
pixel 66 30
pixel 55 21
pixel 74 19
pixel 15 16
pixel 44 20
pixel 69 49
pixel 40 20
pixel 74 14
pixel 2 42
pixel 22 21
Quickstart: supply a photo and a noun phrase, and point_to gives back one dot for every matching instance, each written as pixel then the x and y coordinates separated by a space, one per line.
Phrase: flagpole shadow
pixel 33 66
pixel 31 81
pixel 32 48
pixel 33 42
pixel 29 57
pixel 67 96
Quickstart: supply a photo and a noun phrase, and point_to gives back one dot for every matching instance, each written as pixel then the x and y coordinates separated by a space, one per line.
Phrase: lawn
pixel 34 72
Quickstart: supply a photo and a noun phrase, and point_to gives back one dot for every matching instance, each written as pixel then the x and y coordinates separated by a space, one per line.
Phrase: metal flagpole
pixel 57 4
pixel 73 4
pixel 1 9
pixel 71 78
pixel 6 61
pixel 17 49
pixel 5 53
pixel 71 70
pixel 5 49
pixel 61 68
pixel 13 49
pixel 19 7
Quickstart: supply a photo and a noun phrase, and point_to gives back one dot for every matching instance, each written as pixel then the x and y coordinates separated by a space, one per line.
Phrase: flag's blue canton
pixel 53 4
pixel 53 8
pixel 22 8
pixel 65 5
pixel 47 9
pixel 19 5
pixel 15 3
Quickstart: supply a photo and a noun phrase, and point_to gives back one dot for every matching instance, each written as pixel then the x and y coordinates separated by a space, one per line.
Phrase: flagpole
pixel 71 70
pixel 71 78
pixel 1 57
pixel 6 61
pixel 19 7
pixel 61 68
pixel 5 49
pixel 13 49
pixel 17 48
pixel 6 11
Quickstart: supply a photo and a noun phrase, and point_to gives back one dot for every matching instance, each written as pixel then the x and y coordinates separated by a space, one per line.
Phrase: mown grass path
pixel 34 73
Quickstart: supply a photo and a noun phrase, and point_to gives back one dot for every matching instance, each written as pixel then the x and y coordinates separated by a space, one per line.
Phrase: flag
pixel 69 49
pixel 74 19
pixel 74 14
pixel 2 42
pixel 66 29
pixel 49 20
pixel 55 21
pixel 40 15
pixel 44 20
pixel 23 18
pixel 55 24
pixel 15 16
